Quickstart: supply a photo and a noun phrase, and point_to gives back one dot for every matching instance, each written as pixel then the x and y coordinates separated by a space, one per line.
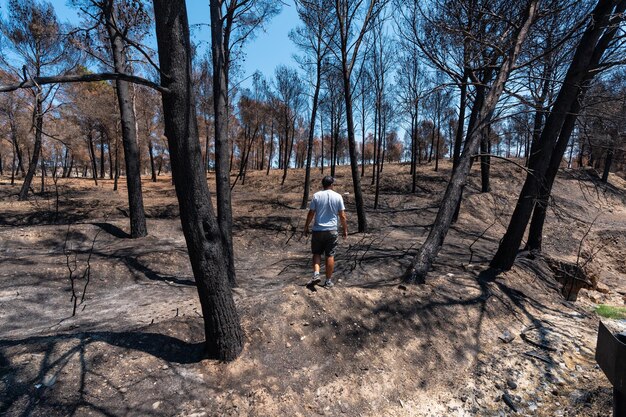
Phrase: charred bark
pixel 309 152
pixel 224 336
pixel 136 212
pixel 581 71
pixel 222 149
pixel 420 265
pixel 38 117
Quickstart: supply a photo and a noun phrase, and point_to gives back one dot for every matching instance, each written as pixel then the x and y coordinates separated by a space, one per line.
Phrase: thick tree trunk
pixel 588 53
pixel 422 262
pixel 38 117
pixel 136 212
pixel 206 246
pixel 535 232
pixel 222 165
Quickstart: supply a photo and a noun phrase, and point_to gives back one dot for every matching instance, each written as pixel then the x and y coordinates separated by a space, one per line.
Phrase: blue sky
pixel 269 49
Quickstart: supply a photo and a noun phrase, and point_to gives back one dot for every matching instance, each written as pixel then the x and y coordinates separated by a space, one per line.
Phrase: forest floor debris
pixel 468 342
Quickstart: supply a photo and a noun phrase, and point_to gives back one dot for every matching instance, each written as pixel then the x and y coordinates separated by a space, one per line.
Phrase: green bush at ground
pixel 611 312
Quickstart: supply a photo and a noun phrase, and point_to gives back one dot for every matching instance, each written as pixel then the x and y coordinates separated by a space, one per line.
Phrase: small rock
pixel 123 390
pixel 287 345
pixel 402 287
pixel 506 336
pixel 579 397
pixel 156 405
pixel 511 383
pixel 509 401
pixel 532 406
pixel 306 323
pixel 601 288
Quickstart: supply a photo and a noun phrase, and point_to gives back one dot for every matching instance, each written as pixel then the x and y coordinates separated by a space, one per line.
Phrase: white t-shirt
pixel 327 204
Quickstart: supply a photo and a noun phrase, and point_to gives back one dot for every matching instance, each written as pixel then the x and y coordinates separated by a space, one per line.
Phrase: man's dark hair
pixel 327 181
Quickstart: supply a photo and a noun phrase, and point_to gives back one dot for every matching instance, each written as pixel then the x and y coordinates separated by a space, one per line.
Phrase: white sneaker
pixel 314 281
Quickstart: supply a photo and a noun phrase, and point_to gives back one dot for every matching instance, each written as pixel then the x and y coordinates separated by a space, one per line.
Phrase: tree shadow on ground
pixel 112 230
pixel 591 178
pixel 266 223
pixel 67 354
pixel 40 217
pixel 455 313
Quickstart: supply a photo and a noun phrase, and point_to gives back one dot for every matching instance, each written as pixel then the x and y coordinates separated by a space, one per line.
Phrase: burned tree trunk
pixel 92 157
pixel 309 152
pixel 422 262
pixel 588 53
pixel 136 212
pixel 224 336
pixel 354 163
pixel 38 117
pixel 152 168
pixel 485 161
pixel 607 165
pixel 222 166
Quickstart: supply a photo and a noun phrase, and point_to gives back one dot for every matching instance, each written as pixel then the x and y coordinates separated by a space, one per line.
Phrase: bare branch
pixel 105 76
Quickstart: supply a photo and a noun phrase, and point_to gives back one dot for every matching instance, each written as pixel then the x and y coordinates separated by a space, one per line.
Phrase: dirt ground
pixel 368 347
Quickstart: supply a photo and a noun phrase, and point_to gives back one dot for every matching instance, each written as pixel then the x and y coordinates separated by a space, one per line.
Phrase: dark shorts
pixel 324 242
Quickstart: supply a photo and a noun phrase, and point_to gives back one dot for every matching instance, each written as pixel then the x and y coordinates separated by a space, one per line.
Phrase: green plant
pixel 611 312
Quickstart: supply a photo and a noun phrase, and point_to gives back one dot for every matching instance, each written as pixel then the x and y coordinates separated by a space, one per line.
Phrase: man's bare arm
pixel 309 219
pixel 344 222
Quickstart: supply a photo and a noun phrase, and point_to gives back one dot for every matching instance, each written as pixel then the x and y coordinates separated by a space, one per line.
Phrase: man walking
pixel 326 208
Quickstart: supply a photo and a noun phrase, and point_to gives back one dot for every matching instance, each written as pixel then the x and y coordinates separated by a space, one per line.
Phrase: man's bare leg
pixel 317 260
pixel 330 266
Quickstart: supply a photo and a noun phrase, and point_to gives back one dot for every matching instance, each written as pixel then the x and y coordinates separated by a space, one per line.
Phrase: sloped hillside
pixel 468 342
